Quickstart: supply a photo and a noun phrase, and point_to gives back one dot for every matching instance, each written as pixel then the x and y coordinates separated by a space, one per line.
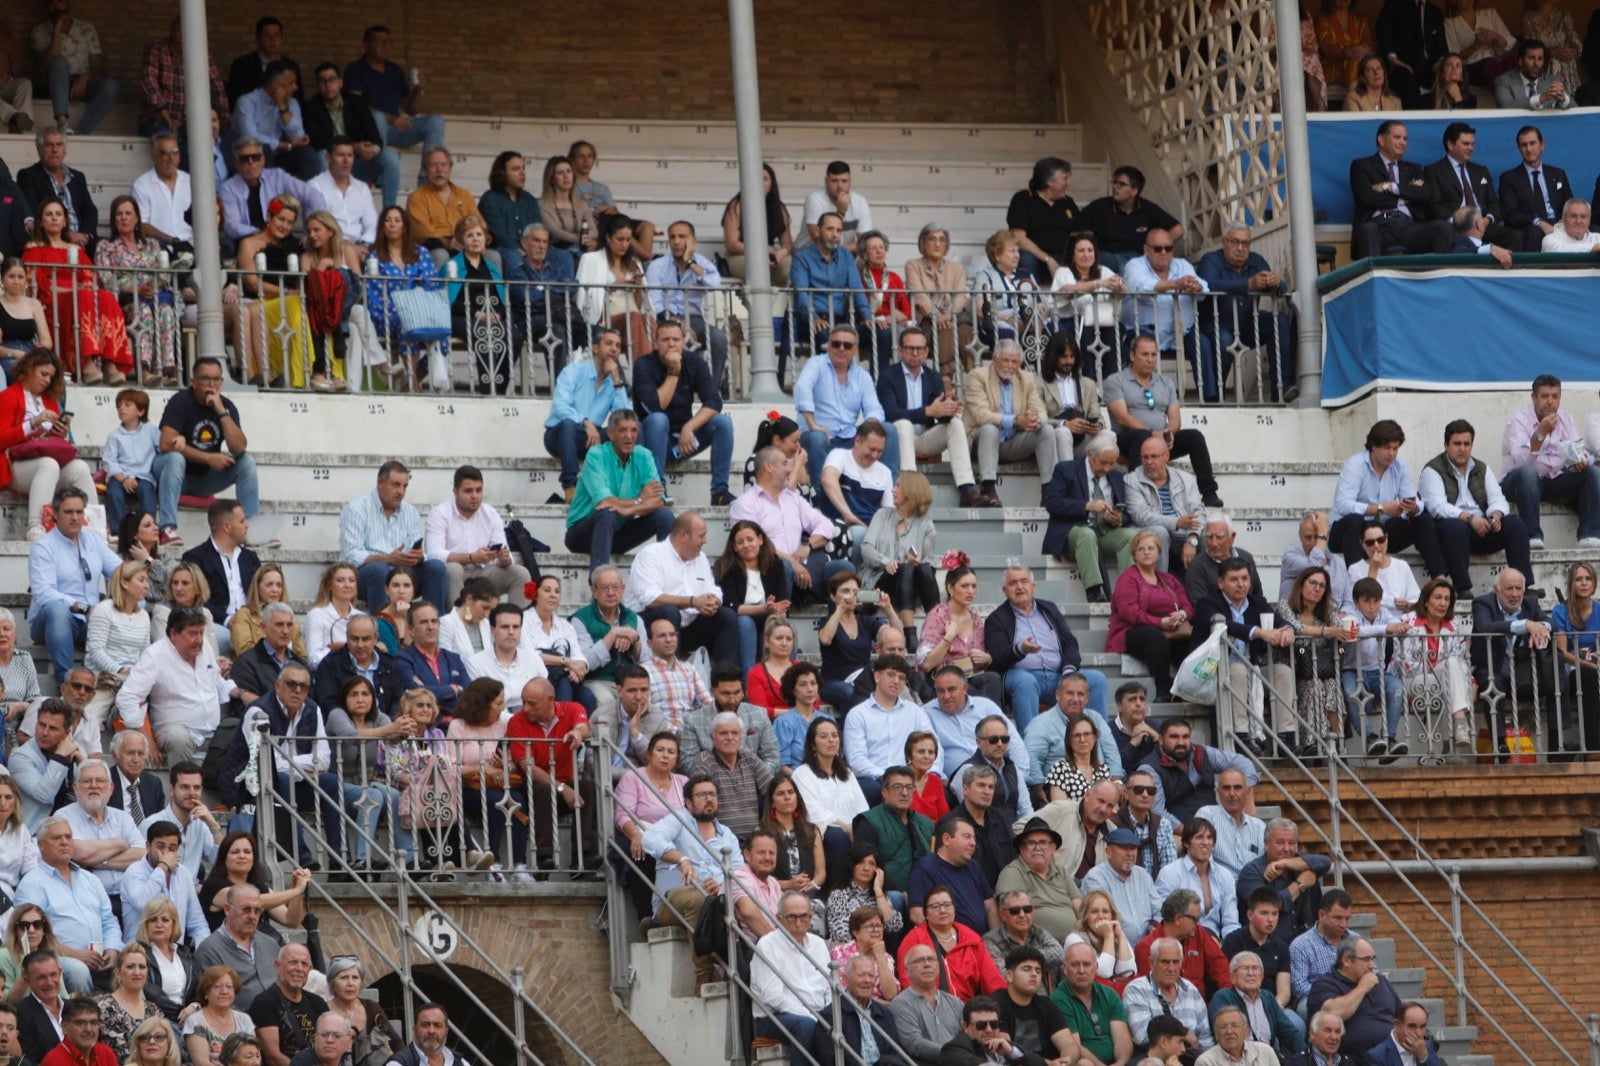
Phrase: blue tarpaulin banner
pixel 1571 138
pixel 1456 327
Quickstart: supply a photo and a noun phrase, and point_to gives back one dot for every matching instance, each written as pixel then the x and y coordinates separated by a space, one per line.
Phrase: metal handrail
pixel 1455 974
pixel 270 804
pixel 607 750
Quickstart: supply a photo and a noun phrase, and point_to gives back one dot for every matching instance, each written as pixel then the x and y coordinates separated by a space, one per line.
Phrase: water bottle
pixel 261 262
pixel 583 233
pixel 372 266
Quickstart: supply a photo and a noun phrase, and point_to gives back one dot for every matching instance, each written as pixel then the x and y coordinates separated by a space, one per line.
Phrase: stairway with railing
pixel 1480 948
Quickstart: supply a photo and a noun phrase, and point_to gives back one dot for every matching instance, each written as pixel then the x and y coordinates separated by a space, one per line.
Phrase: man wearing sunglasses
pixel 982 1040
pixel 1019 929
pixel 1052 890
pixel 254 185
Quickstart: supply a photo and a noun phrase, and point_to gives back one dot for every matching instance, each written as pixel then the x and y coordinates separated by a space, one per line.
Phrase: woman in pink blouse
pixel 645 795
pixel 485 777
pixel 1150 614
pixel 952 635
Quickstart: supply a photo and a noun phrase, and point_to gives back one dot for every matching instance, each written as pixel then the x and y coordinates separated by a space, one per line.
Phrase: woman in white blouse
pixel 1101 929
pixel 465 629
pixel 329 616
pixel 832 795
pixel 1089 301
pixel 556 641
pixel 18 851
pixel 119 632
pixel 1399 583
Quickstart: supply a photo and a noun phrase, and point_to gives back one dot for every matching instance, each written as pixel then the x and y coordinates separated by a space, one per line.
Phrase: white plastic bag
pixel 1196 680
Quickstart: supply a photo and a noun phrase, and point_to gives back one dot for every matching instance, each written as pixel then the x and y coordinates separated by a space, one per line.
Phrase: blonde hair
pixel 335 249
pixel 156 907
pixel 325 586
pixel 135 948
pixel 121 599
pixel 202 587
pixel 286 202
pixel 997 243
pixel 916 492
pixel 253 598
pixel 150 1025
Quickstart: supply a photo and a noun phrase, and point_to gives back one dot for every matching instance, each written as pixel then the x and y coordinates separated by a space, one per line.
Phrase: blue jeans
pixel 604 533
pixel 821 568
pixel 488 805
pixel 749 634
pixel 569 444
pixel 817 445
pixel 798 1031
pixel 432 579
pixel 60 631
pixel 174 481
pixel 1213 368
pixel 384 168
pixel 328 795
pixel 1275 339
pixel 117 499
pixel 1373 682
pixel 1025 688
pixel 425 132
pixel 364 805
pixel 656 434
pixel 100 98
pixel 1524 488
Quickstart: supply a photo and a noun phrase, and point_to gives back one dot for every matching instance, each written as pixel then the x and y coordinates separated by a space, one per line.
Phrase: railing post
pixel 1456 943
pixel 1334 817
pixel 517 975
pixel 841 1052
pixel 1594 1040
pixel 733 956
pixel 403 915
pixel 266 792
pixel 616 896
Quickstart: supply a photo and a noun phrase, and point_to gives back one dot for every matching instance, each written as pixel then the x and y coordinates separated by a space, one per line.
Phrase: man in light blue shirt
pixel 1167 309
pixel 161 872
pixel 380 531
pixel 678 284
pixel 876 729
pixel 272 116
pixel 1241 836
pixel 248 194
pixel 65 567
pixel 1376 486
pixel 586 393
pixel 954 714
pixel 827 285
pixel 1045 739
pixel 833 394
pixel 73 899
pixel 688 846
pixel 104 838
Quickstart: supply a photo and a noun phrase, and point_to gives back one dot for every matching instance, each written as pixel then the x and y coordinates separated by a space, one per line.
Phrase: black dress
pixel 478 316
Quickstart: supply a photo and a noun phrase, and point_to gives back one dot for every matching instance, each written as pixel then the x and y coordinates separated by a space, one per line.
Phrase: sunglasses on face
pixel 1142 790
pixel 1374 541
pixel 986 1024
pixel 1014 911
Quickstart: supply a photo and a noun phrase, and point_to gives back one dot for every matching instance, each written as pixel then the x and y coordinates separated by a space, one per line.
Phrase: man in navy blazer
pixel 227 564
pixel 1394 202
pixel 1410 1035
pixel 1471 227
pixel 917 407
pixel 40 181
pixel 1257 629
pixel 1533 194
pixel 1032 647
pixel 1458 182
pixel 1087 502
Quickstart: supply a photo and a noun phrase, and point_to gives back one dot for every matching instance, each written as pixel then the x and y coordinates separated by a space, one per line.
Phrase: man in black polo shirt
pixel 195 425
pixel 1121 220
pixel 1043 218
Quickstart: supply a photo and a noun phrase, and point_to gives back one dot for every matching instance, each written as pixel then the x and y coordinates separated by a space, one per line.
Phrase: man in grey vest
pixel 1470 512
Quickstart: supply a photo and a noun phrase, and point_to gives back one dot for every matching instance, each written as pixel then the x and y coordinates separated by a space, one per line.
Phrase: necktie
pixel 1533 93
pixel 1540 198
pixel 135 807
pixel 1394 175
pixel 1467 198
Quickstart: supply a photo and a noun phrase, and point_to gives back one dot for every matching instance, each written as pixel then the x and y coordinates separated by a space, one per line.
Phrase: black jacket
pixel 850 1022
pixel 965 1051
pixel 1067 495
pixel 1488 655
pixel 36 187
pixel 1255 607
pixel 1419 43
pixel 152 794
pixel 153 990
pixel 1371 170
pixel 13 213
pixel 35 1032
pixel 1000 636
pixel 332 672
pixel 358 123
pixel 257 671
pixel 1520 204
pixel 1445 183
pixel 209 560
pixel 774 582
pixel 892 395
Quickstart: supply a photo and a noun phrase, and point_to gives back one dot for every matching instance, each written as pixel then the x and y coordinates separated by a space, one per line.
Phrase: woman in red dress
pixel 91 335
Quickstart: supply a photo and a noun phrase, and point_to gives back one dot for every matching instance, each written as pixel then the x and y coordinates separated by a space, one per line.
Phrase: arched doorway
pixel 482 1023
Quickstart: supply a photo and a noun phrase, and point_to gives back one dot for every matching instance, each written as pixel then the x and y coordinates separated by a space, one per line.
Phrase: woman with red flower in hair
pixel 556 641
pixel 276 312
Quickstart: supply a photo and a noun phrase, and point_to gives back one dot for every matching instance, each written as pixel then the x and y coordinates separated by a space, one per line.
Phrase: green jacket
pixel 899 844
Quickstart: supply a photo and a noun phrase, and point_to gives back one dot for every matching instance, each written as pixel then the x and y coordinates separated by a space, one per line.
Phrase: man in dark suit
pixel 1031 646
pixel 363 656
pixel 1410 33
pixel 1458 182
pixel 1514 622
pixel 1532 86
pixel 51 178
pixel 1393 200
pixel 36 1011
pixel 860 979
pixel 130 781
pixel 1246 614
pixel 1471 237
pixel 1086 501
pixel 917 406
pixel 13 217
pixel 1410 1037
pixel 228 565
pixel 981 1038
pixel 1534 193
pixel 1325 1035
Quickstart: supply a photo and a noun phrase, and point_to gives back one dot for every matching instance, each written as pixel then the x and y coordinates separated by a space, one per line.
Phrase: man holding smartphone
pixel 380 531
pixel 1376 488
pixel 1086 500
pixel 467 537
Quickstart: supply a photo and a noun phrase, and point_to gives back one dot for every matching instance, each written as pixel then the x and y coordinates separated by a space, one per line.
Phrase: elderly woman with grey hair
pixel 375 1039
pixel 19 678
pixel 939 301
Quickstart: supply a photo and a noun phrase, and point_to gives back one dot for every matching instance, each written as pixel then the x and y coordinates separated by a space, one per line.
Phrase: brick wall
pixel 959 61
pixel 1484 812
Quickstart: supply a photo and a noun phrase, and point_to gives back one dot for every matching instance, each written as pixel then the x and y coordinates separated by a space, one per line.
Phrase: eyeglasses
pixel 901 787
pixel 167 151
pixel 250 157
pixel 1142 790
pixel 156 1037
pixel 1158 247
pixel 1366 958
pixel 986 1024
pixel 1237 241
pixel 1370 541
pixel 1122 183
pixel 841 344
pixel 996 740
pixel 1014 911
pixel 296 686
pixel 919 348
pixel 80 686
pixel 942 905
pixel 798 918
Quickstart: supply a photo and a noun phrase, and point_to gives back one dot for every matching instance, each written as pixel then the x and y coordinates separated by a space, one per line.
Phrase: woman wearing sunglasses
pixel 1399 583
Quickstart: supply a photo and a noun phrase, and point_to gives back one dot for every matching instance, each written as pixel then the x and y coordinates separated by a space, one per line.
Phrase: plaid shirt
pixel 675 690
pixel 161 86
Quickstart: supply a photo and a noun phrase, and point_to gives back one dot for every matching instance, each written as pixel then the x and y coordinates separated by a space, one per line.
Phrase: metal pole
pixel 752 203
pixel 202 176
pixel 732 918
pixel 1302 219
pixel 1594 1040
pixel 840 1051
pixel 517 976
pixel 1456 942
pixel 403 915
pixel 1333 821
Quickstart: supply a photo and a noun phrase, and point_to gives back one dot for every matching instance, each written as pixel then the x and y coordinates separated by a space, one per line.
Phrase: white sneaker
pixel 1536 544
pixel 1463 736
pixel 1589 542
pixel 496 874
pixel 522 874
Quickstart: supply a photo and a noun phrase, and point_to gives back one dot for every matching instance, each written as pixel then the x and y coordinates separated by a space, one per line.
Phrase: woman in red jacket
pixel 968 968
pixel 33 437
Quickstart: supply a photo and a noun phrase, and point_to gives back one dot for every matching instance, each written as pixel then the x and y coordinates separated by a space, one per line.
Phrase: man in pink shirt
pixel 1543 458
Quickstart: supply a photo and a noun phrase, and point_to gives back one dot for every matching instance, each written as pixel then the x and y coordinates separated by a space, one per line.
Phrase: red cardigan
pixel 13 427
pixel 1136 602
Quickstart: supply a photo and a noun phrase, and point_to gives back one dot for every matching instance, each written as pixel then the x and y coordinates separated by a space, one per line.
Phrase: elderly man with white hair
pixel 1088 502
pixel 1165 991
pixel 740 775
pixel 105 840
pixel 1573 235
pixel 1005 418
pixel 1325 1035
pixel 1265 1020
pixel 1233 1048
pixel 1217 544
pixel 1240 316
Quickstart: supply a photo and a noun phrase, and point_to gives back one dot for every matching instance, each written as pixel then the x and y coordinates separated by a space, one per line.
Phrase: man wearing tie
pixel 1531 87
pixel 1533 194
pixel 1458 182
pixel 1393 200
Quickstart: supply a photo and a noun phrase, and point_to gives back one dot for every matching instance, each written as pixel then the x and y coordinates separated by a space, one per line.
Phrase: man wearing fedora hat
pixel 1039 871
